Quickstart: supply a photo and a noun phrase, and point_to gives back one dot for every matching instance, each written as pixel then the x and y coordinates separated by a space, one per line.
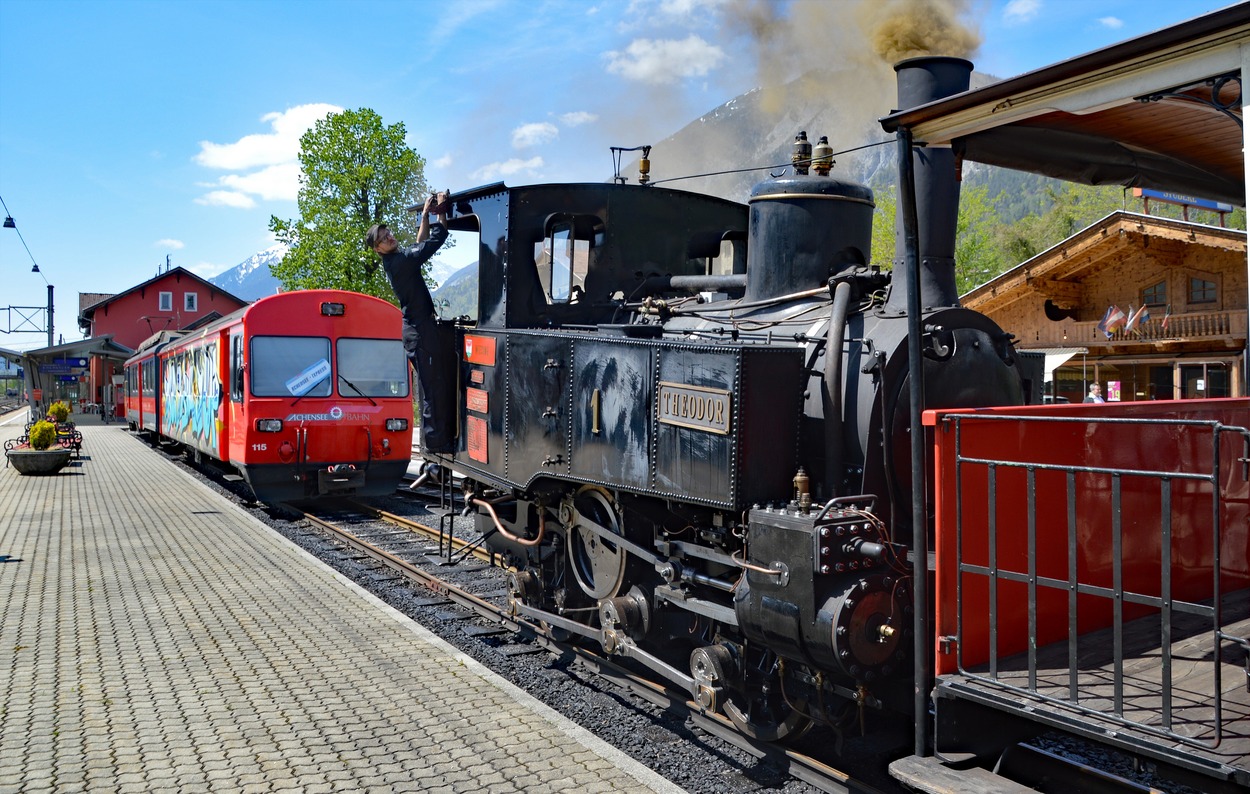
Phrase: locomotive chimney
pixel 923 80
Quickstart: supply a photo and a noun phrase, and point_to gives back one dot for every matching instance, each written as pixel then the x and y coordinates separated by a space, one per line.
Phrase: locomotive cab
pixel 571 255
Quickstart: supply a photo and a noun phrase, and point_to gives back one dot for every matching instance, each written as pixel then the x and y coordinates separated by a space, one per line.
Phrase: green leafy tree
pixel 977 255
pixel 356 172
pixel 977 258
pixel 883 228
pixel 1069 207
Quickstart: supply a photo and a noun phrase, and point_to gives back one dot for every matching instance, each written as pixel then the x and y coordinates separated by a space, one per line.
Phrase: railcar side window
pixel 372 368
pixel 236 367
pixel 148 387
pixel 290 366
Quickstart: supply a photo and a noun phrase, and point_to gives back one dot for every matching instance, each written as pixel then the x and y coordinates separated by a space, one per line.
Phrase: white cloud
pixel 665 60
pixel 226 198
pixel 270 160
pixel 442 162
pixel 689 10
pixel 534 134
pixel 281 145
pixel 494 171
pixel 275 183
pixel 578 118
pixel 1115 23
pixel 1019 12
pixel 169 244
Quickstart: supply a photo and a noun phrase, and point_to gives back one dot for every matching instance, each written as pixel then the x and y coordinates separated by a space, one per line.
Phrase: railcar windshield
pixel 290 366
pixel 372 368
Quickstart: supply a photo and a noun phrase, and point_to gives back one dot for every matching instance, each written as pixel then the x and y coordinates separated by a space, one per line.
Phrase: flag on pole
pixel 1136 318
pixel 1111 321
pixel 1167 317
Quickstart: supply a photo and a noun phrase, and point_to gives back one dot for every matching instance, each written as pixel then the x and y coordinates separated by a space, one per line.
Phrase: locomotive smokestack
pixel 923 80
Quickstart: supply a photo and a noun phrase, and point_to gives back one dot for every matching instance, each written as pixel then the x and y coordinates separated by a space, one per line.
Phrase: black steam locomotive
pixel 685 422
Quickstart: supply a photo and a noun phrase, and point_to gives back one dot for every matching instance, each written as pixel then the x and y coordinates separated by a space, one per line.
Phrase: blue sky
pixel 131 131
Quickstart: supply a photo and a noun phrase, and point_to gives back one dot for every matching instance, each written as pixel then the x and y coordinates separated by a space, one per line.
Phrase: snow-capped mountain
pixel 251 279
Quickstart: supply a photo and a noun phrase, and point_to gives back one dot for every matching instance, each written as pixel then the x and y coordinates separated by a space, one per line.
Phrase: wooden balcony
pixel 1223 327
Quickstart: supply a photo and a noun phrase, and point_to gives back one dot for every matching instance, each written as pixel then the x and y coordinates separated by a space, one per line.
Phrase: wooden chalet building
pixel 1190 277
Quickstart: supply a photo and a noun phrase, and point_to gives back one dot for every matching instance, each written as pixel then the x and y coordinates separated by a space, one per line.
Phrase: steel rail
pixel 805 768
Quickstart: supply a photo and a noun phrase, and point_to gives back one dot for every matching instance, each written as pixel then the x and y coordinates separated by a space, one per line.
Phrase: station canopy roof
pixel 100 346
pixel 1161 111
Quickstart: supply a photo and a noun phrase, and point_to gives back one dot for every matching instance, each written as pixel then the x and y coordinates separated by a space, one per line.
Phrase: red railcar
pixel 304 393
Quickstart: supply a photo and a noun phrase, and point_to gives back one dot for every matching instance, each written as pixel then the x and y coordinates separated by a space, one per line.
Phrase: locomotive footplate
pixel 827 589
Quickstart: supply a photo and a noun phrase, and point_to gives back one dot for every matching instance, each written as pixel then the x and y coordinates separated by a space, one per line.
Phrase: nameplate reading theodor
pixel 695 407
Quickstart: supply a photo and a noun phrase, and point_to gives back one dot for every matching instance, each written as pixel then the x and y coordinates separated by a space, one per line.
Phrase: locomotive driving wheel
pixel 598 564
pixel 760 710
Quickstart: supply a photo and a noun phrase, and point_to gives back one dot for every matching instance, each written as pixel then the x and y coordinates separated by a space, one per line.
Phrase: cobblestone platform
pixel 158 638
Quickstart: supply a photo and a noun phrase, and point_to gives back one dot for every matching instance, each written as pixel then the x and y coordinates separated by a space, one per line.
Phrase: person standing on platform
pixel 421 337
pixel 1095 394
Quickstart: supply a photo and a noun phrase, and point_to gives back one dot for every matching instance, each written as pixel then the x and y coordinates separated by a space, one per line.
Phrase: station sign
pixel 65 366
pixel 1177 198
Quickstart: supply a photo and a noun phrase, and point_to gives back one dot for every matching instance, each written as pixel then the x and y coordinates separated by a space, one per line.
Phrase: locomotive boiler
pixel 684 422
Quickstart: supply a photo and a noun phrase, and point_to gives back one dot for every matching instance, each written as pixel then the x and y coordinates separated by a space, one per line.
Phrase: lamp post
pixel 49 314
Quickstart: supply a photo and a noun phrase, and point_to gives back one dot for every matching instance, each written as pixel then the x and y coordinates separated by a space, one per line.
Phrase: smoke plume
pixel 912 28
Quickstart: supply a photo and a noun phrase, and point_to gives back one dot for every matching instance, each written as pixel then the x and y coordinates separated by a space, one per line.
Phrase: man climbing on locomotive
pixel 421 331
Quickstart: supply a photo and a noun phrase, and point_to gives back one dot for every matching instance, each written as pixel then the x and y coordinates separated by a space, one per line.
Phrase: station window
pixel 1155 294
pixel 165 302
pixel 1201 291
pixel 190 301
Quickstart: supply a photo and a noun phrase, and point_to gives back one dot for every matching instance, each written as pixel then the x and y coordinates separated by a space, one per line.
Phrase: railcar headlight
pixel 396 424
pixel 269 425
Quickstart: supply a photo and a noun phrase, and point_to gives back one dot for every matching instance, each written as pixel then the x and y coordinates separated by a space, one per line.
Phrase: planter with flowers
pixel 67 435
pixel 59 411
pixel 37 452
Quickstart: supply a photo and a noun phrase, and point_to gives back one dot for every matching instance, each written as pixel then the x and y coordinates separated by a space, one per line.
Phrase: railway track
pixel 463 577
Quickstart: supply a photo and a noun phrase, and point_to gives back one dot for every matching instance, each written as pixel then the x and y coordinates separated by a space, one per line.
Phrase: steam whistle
pixel 802 154
pixel 822 157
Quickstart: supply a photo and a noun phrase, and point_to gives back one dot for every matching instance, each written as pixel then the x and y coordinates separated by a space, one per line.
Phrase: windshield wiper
pixel 358 391
pixel 314 385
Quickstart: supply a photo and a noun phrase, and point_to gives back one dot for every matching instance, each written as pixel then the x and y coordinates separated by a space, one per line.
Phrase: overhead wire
pixel 807 161
pixel 9 215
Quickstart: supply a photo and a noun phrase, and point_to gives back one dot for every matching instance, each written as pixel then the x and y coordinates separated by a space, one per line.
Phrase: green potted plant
pixel 59 411
pixel 37 452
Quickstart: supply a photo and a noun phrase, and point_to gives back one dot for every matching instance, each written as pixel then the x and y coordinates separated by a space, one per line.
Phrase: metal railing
pixel 1003 520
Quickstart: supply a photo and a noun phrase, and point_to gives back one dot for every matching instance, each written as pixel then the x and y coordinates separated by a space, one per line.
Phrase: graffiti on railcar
pixel 191 396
